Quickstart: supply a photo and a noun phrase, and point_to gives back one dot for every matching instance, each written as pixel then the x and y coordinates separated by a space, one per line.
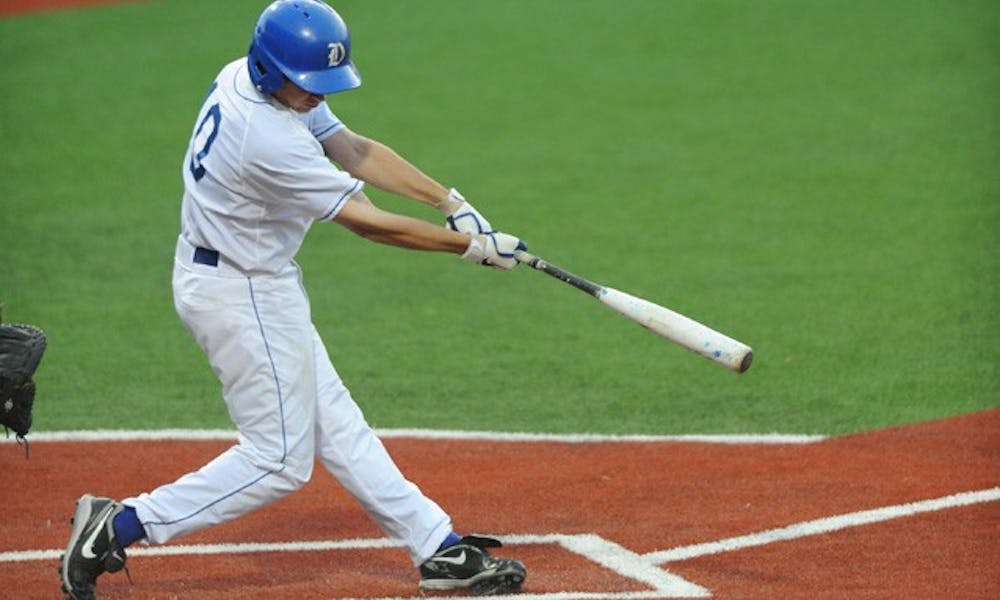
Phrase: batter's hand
pixel 494 250
pixel 465 218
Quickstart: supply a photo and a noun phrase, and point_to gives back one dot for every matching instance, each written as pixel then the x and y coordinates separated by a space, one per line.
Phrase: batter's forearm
pixel 377 225
pixel 379 165
pixel 384 168
pixel 420 235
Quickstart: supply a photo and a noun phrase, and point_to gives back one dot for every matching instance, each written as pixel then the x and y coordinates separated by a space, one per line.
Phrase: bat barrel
pixel 682 330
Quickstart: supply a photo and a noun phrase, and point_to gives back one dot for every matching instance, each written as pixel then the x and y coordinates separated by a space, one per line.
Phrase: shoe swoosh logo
pixel 458 560
pixel 88 546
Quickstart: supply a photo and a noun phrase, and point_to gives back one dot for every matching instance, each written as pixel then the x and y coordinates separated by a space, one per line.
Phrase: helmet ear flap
pixel 264 74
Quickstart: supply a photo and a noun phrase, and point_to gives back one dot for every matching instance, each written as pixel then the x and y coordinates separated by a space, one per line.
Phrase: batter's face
pixel 297 98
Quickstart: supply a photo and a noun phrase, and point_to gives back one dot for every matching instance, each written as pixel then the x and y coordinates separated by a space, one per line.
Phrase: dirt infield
pixel 901 513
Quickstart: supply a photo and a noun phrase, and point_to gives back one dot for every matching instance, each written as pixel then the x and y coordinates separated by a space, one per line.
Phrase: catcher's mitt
pixel 21 349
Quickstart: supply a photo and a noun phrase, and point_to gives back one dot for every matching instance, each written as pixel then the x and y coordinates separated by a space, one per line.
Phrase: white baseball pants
pixel 289 406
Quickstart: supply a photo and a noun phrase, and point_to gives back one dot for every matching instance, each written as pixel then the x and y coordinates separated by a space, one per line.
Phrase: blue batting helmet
pixel 305 41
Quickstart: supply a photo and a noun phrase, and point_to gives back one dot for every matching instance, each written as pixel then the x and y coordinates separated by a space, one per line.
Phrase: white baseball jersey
pixel 254 184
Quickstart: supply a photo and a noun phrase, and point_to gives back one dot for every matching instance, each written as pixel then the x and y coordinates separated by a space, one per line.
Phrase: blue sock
pixel 451 540
pixel 127 527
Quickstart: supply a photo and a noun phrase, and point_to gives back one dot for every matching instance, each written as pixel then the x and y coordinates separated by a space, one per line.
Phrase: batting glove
pixel 466 218
pixel 494 250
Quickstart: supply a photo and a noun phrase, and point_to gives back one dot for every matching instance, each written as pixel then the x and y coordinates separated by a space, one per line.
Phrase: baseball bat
pixel 677 328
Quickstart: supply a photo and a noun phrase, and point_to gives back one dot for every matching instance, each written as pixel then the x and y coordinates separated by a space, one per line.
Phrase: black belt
pixel 204 256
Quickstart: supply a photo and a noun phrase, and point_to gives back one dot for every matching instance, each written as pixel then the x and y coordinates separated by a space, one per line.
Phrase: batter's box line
pixel 604 552
pixel 618 559
pixel 646 568
pixel 824 525
pixel 593 547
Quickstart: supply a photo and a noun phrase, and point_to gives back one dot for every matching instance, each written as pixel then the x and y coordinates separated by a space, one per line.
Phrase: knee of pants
pixel 292 466
pixel 299 460
pixel 296 474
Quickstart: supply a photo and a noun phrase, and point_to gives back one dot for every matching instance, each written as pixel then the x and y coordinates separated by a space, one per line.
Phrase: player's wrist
pixel 451 203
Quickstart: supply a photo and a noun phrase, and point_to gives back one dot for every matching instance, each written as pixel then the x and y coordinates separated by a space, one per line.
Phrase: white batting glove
pixel 465 218
pixel 494 250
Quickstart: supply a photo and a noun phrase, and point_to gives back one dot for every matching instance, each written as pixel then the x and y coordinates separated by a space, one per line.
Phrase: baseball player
pixel 257 174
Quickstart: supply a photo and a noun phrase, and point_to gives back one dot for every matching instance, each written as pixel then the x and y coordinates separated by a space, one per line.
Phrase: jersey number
pixel 214 115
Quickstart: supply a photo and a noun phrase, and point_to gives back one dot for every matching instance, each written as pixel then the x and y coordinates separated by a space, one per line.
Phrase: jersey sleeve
pixel 322 122
pixel 288 171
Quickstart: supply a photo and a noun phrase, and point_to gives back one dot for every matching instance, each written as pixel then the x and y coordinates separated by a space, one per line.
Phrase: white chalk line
pixel 824 525
pixel 646 568
pixel 124 435
pixel 604 552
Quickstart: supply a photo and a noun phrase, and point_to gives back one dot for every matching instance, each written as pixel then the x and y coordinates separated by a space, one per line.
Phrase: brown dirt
pixel 643 496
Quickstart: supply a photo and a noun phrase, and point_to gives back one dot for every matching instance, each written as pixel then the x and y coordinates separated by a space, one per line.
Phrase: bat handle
pixel 559 273
pixel 526 258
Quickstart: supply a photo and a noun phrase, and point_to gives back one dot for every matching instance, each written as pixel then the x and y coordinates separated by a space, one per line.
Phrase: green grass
pixel 818 179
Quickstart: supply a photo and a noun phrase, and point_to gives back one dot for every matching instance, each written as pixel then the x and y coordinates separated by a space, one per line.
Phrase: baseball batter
pixel 257 174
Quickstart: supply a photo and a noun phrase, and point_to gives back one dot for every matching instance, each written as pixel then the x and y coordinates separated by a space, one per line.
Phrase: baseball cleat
pixel 92 549
pixel 467 565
